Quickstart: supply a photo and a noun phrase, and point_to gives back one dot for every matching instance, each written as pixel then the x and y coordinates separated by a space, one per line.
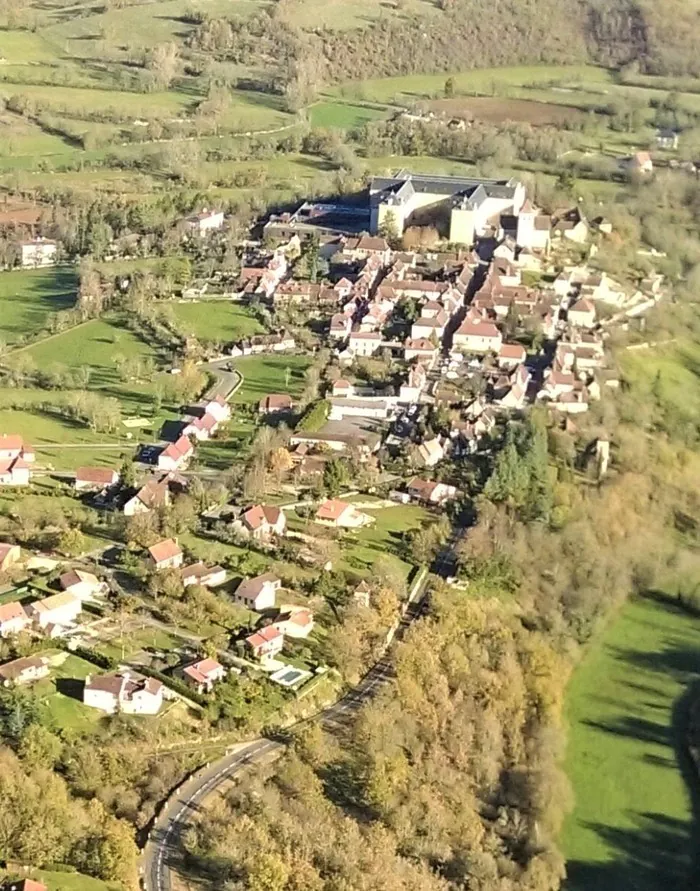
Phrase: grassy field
pixel 56 880
pixel 342 116
pixel 362 548
pixel 631 828
pixel 59 697
pixel 266 374
pixel 217 321
pixel 27 297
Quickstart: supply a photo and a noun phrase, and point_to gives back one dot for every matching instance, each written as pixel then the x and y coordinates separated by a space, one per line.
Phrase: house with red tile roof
pixel 265 644
pixel 16 456
pixel 13 619
pixel 166 554
pixel 176 454
pixel 10 555
pixel 202 675
pixel 341 515
pixel 95 479
pixel 262 521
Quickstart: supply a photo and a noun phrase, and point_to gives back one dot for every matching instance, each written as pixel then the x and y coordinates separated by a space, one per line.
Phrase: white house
pixel 123 692
pixel 200 574
pixel 430 492
pixel 57 610
pixel 431 452
pixel 205 222
pixel 265 644
pixel 38 252
pixel 295 621
pixel 365 343
pixel 15 459
pixel 176 454
pixel 421 349
pixel 13 619
pixel 478 336
pixel 341 515
pixel 81 584
pixel 261 521
pixel 202 675
pixel 582 314
pixel 95 479
pixel 511 355
pixel 258 593
pixel 166 554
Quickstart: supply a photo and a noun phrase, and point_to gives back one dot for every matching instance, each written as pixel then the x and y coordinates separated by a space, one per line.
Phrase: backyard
pixel 632 825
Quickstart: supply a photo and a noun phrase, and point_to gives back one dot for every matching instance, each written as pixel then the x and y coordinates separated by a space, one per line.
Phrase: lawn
pixel 59 697
pixel 58 880
pixel 383 538
pixel 267 374
pixel 76 100
pixel 28 296
pixel 217 321
pixel 342 116
pixel 631 828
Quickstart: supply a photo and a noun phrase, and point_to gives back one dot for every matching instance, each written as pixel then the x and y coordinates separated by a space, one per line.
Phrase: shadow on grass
pixel 71 687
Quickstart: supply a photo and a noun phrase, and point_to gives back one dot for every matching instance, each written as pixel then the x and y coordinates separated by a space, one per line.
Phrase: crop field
pixel 28 297
pixel 631 828
pixel 217 321
pixel 482 108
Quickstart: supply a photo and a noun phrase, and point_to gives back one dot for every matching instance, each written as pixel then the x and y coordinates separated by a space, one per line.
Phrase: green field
pixel 266 374
pixel 59 880
pixel 362 548
pixel 59 697
pixel 28 297
pixel 631 829
pixel 217 321
pixel 343 116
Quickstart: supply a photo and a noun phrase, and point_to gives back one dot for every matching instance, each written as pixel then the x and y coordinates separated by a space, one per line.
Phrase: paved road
pixel 227 382
pixel 165 839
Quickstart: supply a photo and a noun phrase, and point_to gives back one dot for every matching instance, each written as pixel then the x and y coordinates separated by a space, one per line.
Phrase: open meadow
pixel 632 824
pixel 29 296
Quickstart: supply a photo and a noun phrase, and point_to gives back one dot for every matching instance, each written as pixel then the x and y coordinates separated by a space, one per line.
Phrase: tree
pixel 389 228
pixel 336 476
pixel 39 748
pixel 449 88
pixel 71 542
pixel 162 61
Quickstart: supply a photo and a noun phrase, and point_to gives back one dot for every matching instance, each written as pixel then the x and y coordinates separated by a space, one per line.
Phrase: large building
pixel 470 207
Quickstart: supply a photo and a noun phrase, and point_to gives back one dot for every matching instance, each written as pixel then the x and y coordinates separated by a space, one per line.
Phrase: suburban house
pixel 421 349
pixel 205 222
pixel 265 644
pixel 341 326
pixel 511 355
pixel 639 163
pixel 667 139
pixel 201 428
pixel 261 521
pixel 275 403
pixel 24 671
pixel 571 225
pixel 200 574
pixel 430 492
pixel 123 692
pixel 258 593
pixel 10 555
pixel 37 253
pixel 477 336
pixel 13 619
pixel 219 408
pixel 55 612
pixel 152 495
pixel 81 584
pixel 15 458
pixel 176 454
pixel 365 343
pixel 431 452
pixel 341 515
pixel 295 621
pixel 582 314
pixel 166 554
pixel 202 675
pixel 95 479
pixel 362 594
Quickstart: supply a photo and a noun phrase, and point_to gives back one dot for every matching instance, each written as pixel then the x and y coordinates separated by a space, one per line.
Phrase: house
pixel 667 139
pixel 365 343
pixel 27 885
pixel 201 428
pixel 123 692
pixel 95 479
pixel 639 163
pixel 176 455
pixel 15 458
pixel 410 391
pixel 431 452
pixel 10 555
pixel 219 408
pixel 202 675
pixel 478 336
pixel 265 644
pixel 13 619
pixel 263 521
pixel 258 593
pixel 295 621
pixel 513 395
pixel 362 594
pixel 366 246
pixel 81 584
pixel 165 554
pixel 421 349
pixel 24 671
pixel 571 225
pixel 341 326
pixel 429 327
pixel 371 407
pixel 511 355
pixel 37 253
pixel 199 574
pixel 56 611
pixel 275 403
pixel 342 388
pixel 152 495
pixel 341 515
pixel 205 222
pixel 582 314
pixel 430 492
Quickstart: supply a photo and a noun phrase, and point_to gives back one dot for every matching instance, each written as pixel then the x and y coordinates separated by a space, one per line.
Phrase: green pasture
pixel 29 296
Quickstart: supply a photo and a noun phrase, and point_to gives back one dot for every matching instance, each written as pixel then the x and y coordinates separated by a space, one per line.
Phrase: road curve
pixel 165 839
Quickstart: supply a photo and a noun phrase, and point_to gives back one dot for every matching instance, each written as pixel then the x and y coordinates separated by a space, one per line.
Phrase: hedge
pixel 314 417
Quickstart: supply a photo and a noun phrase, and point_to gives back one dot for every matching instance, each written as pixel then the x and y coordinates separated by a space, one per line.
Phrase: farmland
pixel 631 826
pixel 481 108
pixel 27 298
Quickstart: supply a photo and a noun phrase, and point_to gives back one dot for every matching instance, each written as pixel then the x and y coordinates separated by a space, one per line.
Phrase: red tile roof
pixel 164 550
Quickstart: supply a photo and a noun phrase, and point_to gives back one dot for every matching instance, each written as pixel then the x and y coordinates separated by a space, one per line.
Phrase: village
pixel 430 353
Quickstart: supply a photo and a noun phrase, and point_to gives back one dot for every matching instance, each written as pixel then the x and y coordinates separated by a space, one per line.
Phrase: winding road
pixel 164 845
